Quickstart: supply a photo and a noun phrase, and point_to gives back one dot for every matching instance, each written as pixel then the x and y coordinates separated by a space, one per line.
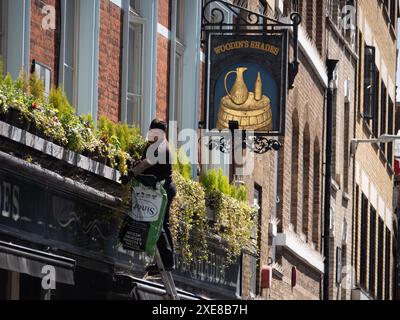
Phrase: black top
pixel 162 169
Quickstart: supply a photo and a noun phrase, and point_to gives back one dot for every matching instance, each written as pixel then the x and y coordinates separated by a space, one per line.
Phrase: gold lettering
pixel 236 45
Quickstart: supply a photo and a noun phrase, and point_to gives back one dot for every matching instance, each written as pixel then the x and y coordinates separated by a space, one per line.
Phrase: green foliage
pixel 47 121
pixel 233 218
pixel 135 143
pixel 209 180
pixel 72 124
pixel 87 121
pixel 59 100
pixel 130 139
pixel 36 87
pixel 8 81
pixel 233 223
pixel 30 84
pixel 242 194
pixel 223 183
pixel 106 127
pixel 57 119
pixel 121 142
pixel 217 181
pixel 188 219
pixel 182 164
pixel 22 82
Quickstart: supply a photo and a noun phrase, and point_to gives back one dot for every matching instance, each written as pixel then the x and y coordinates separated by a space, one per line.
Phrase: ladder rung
pixel 166 277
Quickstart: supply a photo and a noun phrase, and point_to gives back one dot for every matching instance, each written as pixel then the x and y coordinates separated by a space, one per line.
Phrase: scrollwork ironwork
pixel 222 144
pixel 248 21
pixel 245 17
pixel 262 145
pixel 258 145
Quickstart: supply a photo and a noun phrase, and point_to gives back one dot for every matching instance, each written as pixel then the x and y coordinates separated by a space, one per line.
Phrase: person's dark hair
pixel 158 124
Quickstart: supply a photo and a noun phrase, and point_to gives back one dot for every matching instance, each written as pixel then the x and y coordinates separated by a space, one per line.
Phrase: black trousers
pixel 165 244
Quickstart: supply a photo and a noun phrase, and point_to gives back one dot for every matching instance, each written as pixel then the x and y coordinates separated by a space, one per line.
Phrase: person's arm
pixel 141 167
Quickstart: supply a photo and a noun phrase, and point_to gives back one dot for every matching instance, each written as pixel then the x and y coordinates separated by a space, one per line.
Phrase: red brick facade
pixel 163 58
pixel 45 48
pixel 164 13
pixel 110 60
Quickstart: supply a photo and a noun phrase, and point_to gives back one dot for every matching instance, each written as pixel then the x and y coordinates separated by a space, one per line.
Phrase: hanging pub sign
pixel 247 82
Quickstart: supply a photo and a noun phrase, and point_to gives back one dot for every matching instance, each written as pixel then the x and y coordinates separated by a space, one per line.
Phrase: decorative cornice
pixel 292 242
pixel 311 53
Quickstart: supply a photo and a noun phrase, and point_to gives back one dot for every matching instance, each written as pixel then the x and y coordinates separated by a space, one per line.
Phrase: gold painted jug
pixel 239 92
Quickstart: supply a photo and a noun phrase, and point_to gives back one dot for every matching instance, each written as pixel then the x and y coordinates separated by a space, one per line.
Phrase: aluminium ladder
pixel 167 278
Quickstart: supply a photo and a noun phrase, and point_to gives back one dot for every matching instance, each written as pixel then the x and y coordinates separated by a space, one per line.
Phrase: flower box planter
pixel 2 116
pixel 96 156
pixel 15 118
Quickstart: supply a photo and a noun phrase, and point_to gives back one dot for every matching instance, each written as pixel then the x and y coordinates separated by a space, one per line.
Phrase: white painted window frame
pixel 135 8
pixel 138 52
pixel 148 17
pixel 63 64
pixel 180 20
pixel 177 53
pixel 86 56
pixel 17 36
pixel 178 84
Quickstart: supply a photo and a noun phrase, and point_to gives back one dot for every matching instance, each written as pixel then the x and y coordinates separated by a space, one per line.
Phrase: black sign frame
pixel 280 72
pixel 246 22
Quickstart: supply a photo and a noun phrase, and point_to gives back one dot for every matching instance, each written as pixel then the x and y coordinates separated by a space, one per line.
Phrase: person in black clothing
pixel 156 161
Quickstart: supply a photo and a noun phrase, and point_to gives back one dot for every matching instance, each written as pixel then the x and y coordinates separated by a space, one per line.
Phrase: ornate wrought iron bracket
pixel 259 145
pixel 215 21
pixel 263 145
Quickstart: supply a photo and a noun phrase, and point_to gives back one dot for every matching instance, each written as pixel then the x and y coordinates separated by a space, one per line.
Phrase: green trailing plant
pixel 233 217
pixel 188 219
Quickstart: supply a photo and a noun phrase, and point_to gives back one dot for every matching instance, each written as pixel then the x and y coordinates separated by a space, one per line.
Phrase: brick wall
pixel 307 102
pixel 368 157
pixel 341 199
pixel 110 58
pixel 164 13
pixel 45 48
pixel 163 65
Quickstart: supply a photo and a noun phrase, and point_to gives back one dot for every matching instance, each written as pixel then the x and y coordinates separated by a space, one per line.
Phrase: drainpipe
pixel 331 65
